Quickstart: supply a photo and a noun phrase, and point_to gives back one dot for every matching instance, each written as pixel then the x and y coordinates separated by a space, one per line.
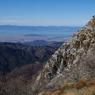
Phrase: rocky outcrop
pixel 73 61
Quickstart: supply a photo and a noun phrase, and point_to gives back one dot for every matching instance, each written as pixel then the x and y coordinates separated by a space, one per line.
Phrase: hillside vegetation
pixel 15 55
pixel 11 59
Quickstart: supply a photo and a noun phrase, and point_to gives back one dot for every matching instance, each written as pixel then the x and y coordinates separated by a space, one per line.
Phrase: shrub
pixel 68 85
pixel 77 44
pixel 80 84
pixel 86 45
pixel 93 34
pixel 93 23
pixel 82 37
pixel 89 30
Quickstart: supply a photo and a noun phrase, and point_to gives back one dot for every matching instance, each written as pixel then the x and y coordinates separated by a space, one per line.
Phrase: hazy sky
pixel 46 12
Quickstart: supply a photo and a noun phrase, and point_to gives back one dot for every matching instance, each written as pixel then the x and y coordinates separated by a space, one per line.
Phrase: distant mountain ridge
pixel 40 30
pixel 36 43
pixel 41 43
pixel 32 35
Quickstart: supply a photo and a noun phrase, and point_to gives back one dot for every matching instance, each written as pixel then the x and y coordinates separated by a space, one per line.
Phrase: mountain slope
pixel 19 66
pixel 73 61
pixel 11 59
pixel 15 55
pixel 38 51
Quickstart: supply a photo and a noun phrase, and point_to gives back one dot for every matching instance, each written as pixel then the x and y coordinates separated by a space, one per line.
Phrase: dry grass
pixel 42 93
pixel 82 87
pixel 59 91
pixel 80 84
pixel 68 85
pixel 70 93
pixel 91 90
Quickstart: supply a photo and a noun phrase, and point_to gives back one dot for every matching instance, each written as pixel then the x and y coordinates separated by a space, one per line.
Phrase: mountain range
pixel 28 34
pixel 41 43
pixel 38 30
pixel 69 71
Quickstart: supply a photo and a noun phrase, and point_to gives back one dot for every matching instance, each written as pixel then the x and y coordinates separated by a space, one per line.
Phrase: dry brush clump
pixel 68 85
pixel 80 84
pixel 93 23
pixel 82 36
pixel 76 44
pixel 86 45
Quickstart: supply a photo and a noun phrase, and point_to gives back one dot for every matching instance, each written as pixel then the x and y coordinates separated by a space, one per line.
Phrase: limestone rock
pixel 73 61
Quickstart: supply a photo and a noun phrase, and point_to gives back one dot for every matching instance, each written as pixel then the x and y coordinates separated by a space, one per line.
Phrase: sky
pixel 46 12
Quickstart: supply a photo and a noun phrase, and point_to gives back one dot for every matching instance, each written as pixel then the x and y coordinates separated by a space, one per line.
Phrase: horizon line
pixel 41 25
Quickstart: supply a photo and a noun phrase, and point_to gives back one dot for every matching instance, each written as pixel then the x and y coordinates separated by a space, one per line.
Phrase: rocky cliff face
pixel 73 61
